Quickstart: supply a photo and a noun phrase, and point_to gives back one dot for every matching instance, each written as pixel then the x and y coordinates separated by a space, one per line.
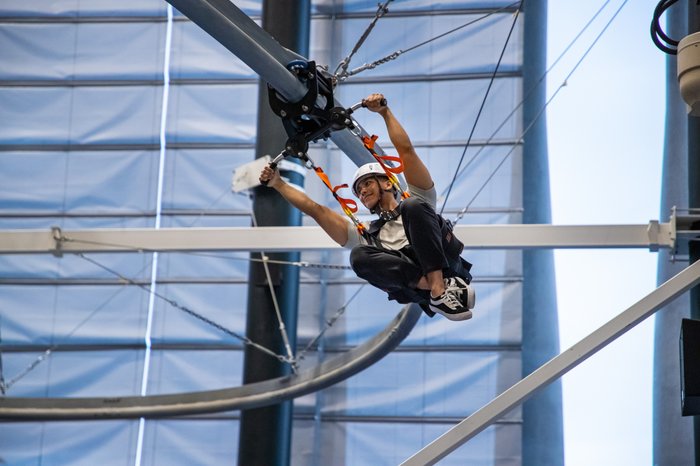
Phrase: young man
pixel 411 252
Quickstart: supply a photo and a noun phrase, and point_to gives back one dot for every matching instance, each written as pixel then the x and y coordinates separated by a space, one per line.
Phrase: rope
pixel 393 56
pixel 483 103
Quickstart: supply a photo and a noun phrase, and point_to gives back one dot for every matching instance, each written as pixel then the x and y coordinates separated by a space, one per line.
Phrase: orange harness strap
pixel 349 206
pixel 390 171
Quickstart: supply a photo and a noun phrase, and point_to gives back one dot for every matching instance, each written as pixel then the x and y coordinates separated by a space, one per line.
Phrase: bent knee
pixel 413 205
pixel 360 259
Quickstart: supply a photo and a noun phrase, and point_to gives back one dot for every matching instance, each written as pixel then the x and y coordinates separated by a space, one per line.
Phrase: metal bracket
pixel 59 239
pixel 685 228
pixel 653 235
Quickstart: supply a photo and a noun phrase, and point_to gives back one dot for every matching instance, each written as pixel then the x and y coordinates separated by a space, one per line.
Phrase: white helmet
pixel 365 171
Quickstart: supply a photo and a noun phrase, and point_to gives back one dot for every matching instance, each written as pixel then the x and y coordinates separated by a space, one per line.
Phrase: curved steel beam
pixel 247 396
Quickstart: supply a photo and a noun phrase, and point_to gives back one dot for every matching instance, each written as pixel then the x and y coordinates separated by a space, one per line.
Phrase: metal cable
pixel 483 103
pixel 55 346
pixel 275 304
pixel 398 53
pixel 185 309
pixel 342 68
pixel 522 101
pixel 544 107
pixel 329 323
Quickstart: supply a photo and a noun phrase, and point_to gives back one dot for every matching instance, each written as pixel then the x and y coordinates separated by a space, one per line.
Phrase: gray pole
pixel 543 438
pixel 672 433
pixel 266 433
pixel 694 202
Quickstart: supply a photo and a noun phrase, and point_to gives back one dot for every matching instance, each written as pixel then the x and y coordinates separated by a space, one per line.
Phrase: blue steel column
pixel 672 433
pixel 542 437
pixel 266 433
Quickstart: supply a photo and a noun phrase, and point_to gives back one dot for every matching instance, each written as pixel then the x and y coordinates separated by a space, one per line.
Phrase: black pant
pixel 432 246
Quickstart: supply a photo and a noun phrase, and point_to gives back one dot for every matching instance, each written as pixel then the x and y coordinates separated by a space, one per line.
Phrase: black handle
pixel 272 165
pixel 382 102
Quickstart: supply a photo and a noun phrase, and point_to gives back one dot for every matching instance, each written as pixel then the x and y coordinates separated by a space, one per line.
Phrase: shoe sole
pixel 471 297
pixel 464 315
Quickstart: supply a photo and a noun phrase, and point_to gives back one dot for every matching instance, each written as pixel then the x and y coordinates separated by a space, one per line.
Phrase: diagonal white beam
pixel 272 239
pixel 556 367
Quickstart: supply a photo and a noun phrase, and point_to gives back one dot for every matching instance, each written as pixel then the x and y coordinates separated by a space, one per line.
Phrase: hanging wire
pixel 393 56
pixel 544 107
pixel 527 95
pixel 481 107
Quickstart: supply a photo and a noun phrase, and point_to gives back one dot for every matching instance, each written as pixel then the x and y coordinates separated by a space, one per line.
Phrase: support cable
pixel 3 387
pixel 128 247
pixel 527 95
pixel 342 69
pixel 544 107
pixel 329 323
pixel 343 75
pixel 483 104
pixel 185 309
pixel 275 304
pixel 49 351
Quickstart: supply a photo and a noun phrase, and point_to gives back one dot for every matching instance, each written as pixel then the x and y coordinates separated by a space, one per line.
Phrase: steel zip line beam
pixel 236 31
pixel 556 367
pixel 653 236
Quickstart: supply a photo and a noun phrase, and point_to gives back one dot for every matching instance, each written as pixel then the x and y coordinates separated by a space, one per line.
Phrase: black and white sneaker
pixel 450 305
pixel 466 293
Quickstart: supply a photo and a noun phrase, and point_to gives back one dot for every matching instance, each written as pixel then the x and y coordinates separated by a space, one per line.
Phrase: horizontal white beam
pixel 652 236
